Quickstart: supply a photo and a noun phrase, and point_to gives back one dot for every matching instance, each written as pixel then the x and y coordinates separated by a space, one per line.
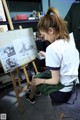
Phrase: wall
pixel 45 5
pixel 62 5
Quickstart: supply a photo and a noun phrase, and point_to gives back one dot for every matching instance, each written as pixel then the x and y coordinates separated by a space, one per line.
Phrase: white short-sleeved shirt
pixel 62 55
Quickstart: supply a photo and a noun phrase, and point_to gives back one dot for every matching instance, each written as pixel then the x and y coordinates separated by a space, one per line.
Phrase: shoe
pixel 31 100
pixel 37 93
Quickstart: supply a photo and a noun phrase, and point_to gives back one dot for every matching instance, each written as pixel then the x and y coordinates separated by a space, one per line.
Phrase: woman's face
pixel 50 36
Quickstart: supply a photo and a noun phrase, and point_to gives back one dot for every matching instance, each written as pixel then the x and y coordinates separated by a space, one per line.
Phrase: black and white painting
pixel 17 48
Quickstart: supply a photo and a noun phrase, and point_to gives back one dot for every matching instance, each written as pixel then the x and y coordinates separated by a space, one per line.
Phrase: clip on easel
pixel 18 69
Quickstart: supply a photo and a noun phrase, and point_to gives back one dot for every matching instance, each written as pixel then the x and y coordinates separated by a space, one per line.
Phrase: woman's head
pixel 52 27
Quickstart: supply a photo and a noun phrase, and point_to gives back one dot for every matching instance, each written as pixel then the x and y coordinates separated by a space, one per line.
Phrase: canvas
pixel 17 48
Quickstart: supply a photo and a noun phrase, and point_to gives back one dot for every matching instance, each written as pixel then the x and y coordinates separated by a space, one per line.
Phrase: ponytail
pixel 54 20
pixel 52 10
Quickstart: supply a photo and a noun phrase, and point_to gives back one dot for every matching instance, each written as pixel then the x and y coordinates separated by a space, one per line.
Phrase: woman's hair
pixel 52 19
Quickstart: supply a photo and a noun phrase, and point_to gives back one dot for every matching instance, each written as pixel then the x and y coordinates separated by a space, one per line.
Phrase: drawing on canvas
pixel 17 48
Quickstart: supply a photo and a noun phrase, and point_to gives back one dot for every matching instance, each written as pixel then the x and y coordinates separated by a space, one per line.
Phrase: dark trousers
pixel 52 90
pixel 60 97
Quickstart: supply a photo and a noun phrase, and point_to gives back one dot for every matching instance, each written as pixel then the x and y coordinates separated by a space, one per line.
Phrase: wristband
pixel 44 81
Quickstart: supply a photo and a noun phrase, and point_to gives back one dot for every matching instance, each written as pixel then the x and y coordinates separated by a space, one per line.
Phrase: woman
pixel 61 58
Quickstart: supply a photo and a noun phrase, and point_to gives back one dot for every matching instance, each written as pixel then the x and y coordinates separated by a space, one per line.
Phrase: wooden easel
pixel 20 90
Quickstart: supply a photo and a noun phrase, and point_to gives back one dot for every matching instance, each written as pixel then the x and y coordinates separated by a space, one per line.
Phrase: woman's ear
pixel 51 31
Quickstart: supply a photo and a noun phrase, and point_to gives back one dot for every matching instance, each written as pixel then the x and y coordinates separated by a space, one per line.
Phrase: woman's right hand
pixel 42 53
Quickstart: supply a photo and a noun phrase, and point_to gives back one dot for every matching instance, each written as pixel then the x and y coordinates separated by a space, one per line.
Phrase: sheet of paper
pixel 17 48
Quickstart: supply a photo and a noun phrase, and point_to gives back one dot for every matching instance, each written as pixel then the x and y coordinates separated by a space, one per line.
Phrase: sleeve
pixel 53 59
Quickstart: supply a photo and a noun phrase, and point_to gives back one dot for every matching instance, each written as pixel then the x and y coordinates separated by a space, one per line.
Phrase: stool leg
pixel 62 116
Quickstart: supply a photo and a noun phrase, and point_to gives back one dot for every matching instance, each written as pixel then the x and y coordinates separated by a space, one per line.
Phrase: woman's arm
pixel 52 81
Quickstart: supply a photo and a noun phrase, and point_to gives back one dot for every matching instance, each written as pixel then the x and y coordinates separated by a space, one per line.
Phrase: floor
pixel 41 110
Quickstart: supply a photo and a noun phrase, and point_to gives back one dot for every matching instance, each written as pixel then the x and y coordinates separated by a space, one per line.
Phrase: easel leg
pixel 16 91
pixel 19 79
pixel 26 75
pixel 34 65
